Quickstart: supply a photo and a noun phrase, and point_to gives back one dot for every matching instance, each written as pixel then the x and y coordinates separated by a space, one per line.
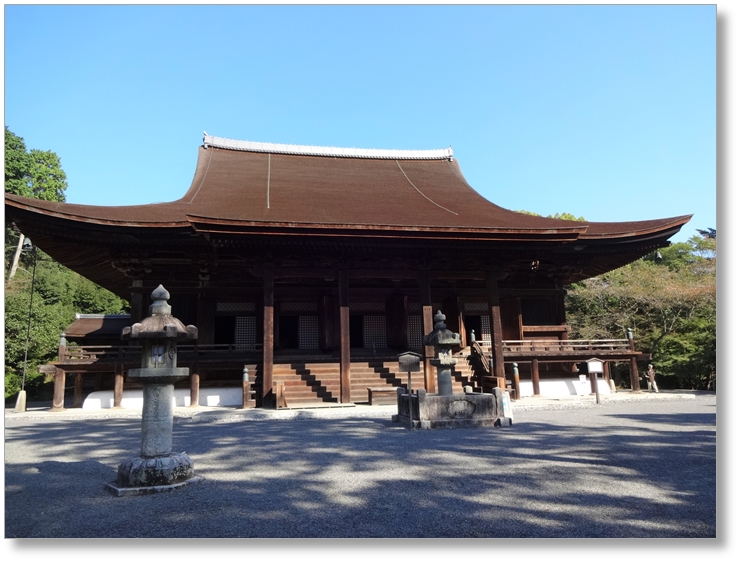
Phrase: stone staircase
pixel 307 383
pixel 377 373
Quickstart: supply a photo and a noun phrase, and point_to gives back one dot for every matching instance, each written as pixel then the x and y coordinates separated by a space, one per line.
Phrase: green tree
pixel 36 174
pixel 17 164
pixel 670 303
pixel 47 179
pixel 58 292
pixel 561 216
pixel 566 217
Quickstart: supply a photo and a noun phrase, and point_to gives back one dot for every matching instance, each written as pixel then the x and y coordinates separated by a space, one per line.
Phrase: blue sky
pixel 603 111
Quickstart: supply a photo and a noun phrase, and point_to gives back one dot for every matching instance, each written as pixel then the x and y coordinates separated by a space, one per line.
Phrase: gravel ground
pixel 622 469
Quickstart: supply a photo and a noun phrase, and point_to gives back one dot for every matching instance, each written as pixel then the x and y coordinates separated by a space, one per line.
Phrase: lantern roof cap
pixel 160 324
pixel 441 335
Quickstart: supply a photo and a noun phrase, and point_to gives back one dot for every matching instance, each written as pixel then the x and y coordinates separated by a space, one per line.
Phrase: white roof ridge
pixel 434 154
pixel 79 315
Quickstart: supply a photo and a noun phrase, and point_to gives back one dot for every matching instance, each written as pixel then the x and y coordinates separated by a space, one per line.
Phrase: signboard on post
pixel 410 362
pixel 595 366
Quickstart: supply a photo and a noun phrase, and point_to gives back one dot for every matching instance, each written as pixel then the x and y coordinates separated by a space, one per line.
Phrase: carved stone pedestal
pixel 439 411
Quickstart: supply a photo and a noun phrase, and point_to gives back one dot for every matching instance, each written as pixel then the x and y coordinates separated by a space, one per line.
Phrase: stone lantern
pixel 157 469
pixel 443 341
pixel 448 409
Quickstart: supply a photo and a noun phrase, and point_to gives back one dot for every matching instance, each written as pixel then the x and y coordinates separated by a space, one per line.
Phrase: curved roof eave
pixel 209 224
pixel 174 215
pixel 635 229
pixel 157 215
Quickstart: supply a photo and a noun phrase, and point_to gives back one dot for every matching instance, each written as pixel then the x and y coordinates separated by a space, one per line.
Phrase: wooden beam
pixel 344 348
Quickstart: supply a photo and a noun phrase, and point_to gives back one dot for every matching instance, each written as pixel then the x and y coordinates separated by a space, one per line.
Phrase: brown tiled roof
pixel 242 189
pixel 97 326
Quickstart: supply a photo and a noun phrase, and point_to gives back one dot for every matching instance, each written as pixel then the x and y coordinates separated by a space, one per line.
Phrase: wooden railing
pixel 564 346
pixel 481 356
pixel 95 353
pixel 553 346
pixel 132 353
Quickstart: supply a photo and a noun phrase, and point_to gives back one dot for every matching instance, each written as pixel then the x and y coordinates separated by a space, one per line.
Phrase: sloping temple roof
pixel 242 187
pixel 245 186
pixel 98 326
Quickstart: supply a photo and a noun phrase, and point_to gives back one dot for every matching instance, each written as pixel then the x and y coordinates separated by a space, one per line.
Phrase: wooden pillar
pixel 462 328
pixel 515 382
pixel 268 341
pixel 497 346
pixel 430 379
pixel 60 379
pixel 137 301
pixel 608 377
pixel 118 385
pixel 536 377
pixel 634 374
pixel 206 322
pixel 77 402
pixel 344 349
pixel 194 386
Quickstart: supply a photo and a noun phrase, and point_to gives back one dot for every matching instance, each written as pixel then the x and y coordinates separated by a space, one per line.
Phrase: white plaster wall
pixel 134 399
pixel 555 388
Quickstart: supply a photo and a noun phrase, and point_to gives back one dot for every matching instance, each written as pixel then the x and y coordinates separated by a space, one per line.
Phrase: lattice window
pixel 485 327
pixel 245 333
pixel 476 307
pixel 414 307
pixel 308 332
pixel 374 332
pixel 415 331
pixel 235 307
pixel 298 307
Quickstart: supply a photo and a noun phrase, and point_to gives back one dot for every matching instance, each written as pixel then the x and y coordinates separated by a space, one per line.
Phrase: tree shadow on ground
pixel 610 474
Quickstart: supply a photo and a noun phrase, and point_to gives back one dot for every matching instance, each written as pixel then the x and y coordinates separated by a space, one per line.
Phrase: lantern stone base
pixel 141 475
pixel 438 411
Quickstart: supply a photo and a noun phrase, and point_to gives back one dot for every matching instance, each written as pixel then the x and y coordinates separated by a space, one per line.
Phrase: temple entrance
pixel 356 331
pixel 288 332
pixel 473 323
